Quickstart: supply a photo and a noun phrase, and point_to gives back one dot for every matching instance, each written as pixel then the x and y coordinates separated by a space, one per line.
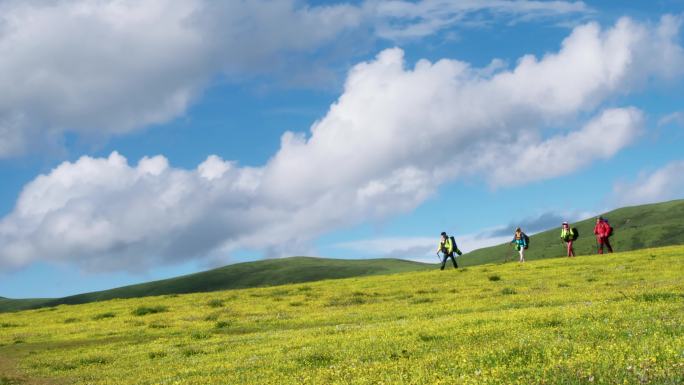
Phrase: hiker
pixel 603 231
pixel 447 245
pixel 568 236
pixel 521 241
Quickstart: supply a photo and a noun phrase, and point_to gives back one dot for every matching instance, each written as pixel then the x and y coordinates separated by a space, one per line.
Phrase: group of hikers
pixel 521 242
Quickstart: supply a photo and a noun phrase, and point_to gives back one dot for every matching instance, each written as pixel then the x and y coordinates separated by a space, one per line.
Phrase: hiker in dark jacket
pixel 520 241
pixel 603 231
pixel 568 236
pixel 447 245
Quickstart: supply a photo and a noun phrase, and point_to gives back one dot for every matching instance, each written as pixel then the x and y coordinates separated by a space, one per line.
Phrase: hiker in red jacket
pixel 602 230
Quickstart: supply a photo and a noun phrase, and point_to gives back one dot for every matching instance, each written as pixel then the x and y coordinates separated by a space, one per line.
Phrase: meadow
pixel 612 319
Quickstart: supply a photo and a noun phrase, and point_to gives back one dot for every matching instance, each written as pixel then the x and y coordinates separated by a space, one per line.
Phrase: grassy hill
pixel 636 227
pixel 611 319
pixel 241 275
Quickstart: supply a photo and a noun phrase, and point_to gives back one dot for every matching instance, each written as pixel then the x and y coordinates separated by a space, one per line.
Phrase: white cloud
pixel 676 118
pixel 414 248
pixel 101 68
pixel 661 185
pixel 408 19
pixel 392 138
pixel 421 249
pixel 537 223
pixel 602 137
pixel 108 67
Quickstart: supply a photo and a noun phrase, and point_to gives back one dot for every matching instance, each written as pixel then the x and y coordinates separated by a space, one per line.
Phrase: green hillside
pixel 637 227
pixel 7 304
pixel 611 319
pixel 241 275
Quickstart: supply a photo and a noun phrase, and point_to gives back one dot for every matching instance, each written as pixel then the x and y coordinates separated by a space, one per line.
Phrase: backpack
pixel 610 228
pixel 575 233
pixel 453 244
pixel 527 240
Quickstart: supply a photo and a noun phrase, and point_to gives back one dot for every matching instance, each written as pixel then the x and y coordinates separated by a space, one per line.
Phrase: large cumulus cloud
pixel 391 139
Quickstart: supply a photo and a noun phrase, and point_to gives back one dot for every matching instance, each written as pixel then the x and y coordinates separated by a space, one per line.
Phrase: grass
pixel 242 275
pixel 638 227
pixel 100 316
pixel 544 322
pixel 145 310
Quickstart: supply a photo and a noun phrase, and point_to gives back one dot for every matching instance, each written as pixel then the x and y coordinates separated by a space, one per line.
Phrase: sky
pixel 147 139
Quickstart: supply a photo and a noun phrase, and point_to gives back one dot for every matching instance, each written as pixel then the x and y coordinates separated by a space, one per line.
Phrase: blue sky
pixel 144 140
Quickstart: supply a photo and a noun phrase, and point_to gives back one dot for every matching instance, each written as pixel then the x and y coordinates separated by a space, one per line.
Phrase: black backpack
pixel 453 243
pixel 527 240
pixel 575 233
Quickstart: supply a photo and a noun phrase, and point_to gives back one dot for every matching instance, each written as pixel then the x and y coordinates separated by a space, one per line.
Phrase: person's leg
pixel 600 245
pixel 571 252
pixel 453 259
pixel 610 248
pixel 444 259
pixel 521 251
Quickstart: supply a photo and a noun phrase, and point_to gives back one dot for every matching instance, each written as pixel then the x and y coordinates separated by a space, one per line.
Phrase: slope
pixel 636 227
pixel 241 275
pixel 611 319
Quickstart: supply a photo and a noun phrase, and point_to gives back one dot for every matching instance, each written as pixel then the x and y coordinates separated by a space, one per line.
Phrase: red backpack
pixel 609 228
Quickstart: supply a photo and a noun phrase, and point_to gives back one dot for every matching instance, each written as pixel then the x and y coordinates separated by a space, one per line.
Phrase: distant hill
pixel 636 227
pixel 241 275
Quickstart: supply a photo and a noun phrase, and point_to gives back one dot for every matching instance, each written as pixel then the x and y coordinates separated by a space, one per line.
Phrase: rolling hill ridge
pixel 237 276
pixel 636 227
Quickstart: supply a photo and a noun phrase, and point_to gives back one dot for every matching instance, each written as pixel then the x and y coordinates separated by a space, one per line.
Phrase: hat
pixel 443 234
pixel 565 223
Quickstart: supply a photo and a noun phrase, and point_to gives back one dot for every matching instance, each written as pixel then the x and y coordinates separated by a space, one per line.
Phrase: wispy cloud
pixel 675 118
pixel 539 223
pixel 649 187
pixel 421 249
pixel 407 19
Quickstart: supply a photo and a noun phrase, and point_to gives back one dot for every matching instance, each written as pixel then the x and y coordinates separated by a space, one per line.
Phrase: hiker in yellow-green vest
pixel 568 236
pixel 447 245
